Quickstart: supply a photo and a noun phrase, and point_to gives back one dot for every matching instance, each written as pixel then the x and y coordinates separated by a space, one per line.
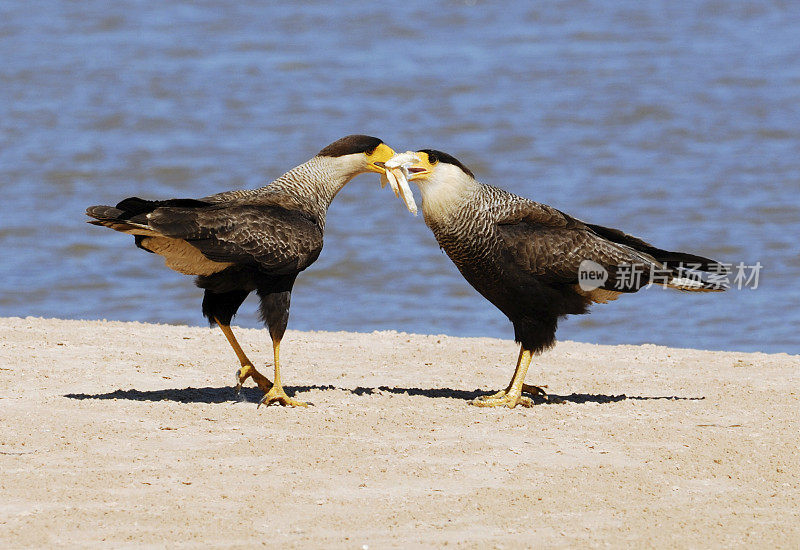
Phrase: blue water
pixel 675 121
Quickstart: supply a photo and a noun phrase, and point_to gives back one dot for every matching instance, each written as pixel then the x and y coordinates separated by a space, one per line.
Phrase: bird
pixel 533 261
pixel 240 241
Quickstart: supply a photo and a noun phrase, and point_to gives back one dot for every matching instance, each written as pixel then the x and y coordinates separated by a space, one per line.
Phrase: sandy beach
pixel 123 434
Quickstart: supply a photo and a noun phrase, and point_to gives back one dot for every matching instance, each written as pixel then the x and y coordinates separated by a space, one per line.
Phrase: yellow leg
pixel 247 369
pixel 502 393
pixel 512 395
pixel 276 393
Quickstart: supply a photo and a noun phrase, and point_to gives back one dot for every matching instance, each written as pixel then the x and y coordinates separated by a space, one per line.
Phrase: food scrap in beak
pixel 397 177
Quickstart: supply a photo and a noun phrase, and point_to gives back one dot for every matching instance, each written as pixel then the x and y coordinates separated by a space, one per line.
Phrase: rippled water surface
pixel 676 121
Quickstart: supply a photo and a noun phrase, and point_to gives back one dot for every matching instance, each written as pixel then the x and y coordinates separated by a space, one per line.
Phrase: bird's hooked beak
pixel 419 167
pixel 397 175
pixel 376 161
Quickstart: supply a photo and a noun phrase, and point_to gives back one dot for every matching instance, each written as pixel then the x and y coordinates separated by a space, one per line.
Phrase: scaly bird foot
pixel 502 399
pixel 276 394
pixel 248 371
pixel 533 390
pixel 491 396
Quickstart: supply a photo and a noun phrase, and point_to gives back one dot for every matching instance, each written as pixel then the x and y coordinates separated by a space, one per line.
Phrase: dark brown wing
pixel 671 259
pixel 551 245
pixel 274 239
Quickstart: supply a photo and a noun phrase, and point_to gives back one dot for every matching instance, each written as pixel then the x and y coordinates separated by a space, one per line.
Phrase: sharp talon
pixel 533 390
pixel 249 371
pixel 277 395
pixel 491 396
pixel 503 400
pixel 238 385
pixel 526 402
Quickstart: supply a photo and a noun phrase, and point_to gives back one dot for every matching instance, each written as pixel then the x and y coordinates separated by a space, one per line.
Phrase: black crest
pixel 435 156
pixel 350 145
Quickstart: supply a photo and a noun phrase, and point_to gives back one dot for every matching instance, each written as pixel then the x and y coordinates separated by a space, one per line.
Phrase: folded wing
pixel 197 237
pixel 551 245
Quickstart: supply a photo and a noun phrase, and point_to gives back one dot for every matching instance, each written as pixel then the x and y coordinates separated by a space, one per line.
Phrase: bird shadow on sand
pixel 228 394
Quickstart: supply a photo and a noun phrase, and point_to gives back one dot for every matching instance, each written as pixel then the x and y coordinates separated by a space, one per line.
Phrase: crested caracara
pixel 237 242
pixel 526 258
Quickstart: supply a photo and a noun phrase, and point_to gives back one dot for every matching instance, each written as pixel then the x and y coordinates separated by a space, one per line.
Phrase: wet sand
pixel 126 434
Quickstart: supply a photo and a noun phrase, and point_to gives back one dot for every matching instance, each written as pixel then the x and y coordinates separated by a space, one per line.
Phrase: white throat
pixel 443 191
